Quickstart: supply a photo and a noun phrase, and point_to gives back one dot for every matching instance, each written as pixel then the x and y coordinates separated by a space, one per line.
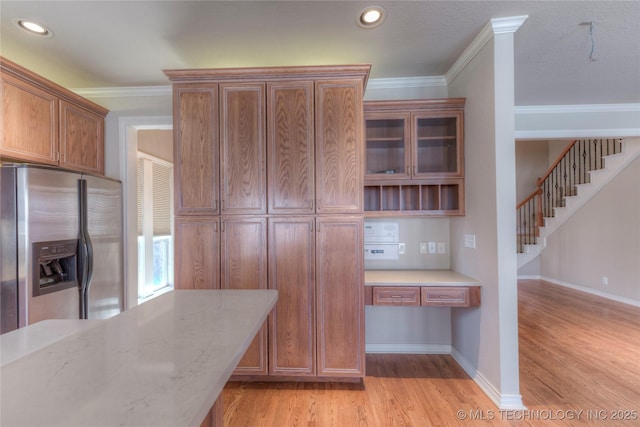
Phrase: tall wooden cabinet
pixel 48 124
pixel 268 177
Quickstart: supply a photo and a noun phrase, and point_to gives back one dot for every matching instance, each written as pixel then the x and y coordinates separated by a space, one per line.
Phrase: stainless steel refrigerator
pixel 60 245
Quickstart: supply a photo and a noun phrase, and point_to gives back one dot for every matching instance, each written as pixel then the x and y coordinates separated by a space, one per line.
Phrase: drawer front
pixel 396 295
pixel 445 296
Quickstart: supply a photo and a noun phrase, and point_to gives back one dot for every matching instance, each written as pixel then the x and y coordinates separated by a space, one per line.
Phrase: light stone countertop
pixel 417 278
pixel 162 363
pixel 19 343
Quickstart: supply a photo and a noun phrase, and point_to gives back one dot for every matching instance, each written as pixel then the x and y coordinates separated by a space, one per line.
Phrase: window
pixel 155 219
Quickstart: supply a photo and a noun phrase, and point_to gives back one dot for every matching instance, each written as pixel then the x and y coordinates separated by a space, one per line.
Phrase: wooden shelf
pixel 414 157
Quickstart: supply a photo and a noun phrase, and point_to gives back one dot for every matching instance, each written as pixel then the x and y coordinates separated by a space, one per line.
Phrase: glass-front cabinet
pixel 414 157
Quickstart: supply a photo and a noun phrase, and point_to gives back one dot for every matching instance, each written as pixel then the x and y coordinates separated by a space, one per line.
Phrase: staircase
pixel 579 173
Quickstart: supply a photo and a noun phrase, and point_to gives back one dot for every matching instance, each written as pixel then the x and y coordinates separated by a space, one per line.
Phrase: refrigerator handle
pixel 85 262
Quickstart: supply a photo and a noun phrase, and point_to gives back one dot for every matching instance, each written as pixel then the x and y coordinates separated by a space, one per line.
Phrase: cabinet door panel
pixel 438 144
pixel 81 139
pixel 196 149
pixel 292 329
pixel 340 289
pixel 197 253
pixel 243 175
pixel 29 122
pixel 244 266
pixel 339 147
pixel 387 146
pixel 290 143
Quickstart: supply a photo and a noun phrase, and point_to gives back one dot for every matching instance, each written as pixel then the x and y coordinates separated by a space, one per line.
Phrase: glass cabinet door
pixel 437 149
pixel 387 147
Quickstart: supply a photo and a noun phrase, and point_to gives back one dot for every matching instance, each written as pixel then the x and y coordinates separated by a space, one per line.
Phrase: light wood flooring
pixel 579 363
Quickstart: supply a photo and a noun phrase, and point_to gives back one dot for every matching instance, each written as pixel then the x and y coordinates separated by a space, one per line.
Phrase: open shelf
pixel 438 197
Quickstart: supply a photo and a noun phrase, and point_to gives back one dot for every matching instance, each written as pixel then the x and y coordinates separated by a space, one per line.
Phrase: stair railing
pixel 571 168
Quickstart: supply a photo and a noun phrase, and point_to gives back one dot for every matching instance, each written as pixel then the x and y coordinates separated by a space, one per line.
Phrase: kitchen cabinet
pixel 292 324
pixel 274 156
pixel 242 149
pixel 340 307
pixel 291 142
pixel 197 253
pixel 243 262
pixel 414 157
pixel 229 253
pixel 338 146
pixel 196 149
pixel 47 124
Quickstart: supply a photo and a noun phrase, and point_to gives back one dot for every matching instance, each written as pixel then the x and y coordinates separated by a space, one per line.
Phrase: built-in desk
pixel 439 288
pixel 162 363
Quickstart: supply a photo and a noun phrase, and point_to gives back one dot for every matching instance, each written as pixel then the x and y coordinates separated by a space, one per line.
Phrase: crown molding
pixel 580 108
pixel 124 92
pixel 493 27
pixel 407 82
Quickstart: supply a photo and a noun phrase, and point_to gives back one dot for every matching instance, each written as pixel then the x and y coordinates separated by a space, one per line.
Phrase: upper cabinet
pixel 414 157
pixel 48 124
pixel 283 140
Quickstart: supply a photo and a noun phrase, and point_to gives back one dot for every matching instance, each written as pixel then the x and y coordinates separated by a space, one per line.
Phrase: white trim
pixel 407 82
pixel 624 300
pixel 494 26
pixel 502 401
pixel 123 92
pixel 408 348
pixel 577 133
pixel 586 108
pixel 128 147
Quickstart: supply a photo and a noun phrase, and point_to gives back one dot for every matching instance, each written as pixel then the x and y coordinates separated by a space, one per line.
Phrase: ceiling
pixel 102 44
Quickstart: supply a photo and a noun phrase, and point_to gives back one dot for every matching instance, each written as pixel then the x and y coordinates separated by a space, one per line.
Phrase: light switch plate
pixel 432 247
pixel 442 248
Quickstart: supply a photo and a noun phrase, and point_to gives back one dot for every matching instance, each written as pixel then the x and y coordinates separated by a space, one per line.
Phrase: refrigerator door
pixel 47 210
pixel 104 223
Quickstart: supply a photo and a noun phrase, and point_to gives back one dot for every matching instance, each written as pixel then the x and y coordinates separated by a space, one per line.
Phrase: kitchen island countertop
pixel 162 363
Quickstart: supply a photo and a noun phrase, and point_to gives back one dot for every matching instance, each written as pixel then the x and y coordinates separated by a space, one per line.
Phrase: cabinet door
pixel 29 123
pixel 339 163
pixel 81 139
pixel 244 266
pixel 340 290
pixel 243 175
pixel 197 253
pixel 292 331
pixel 290 143
pixel 437 150
pixel 196 149
pixel 387 146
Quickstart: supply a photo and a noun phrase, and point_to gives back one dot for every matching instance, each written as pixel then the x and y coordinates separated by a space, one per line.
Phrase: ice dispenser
pixel 54 265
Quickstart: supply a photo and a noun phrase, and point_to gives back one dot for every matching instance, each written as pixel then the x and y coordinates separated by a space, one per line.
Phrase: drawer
pixel 396 295
pixel 450 296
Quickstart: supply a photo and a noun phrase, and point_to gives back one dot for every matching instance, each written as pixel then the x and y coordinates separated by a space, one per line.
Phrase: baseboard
pixel 585 289
pixel 502 401
pixel 408 348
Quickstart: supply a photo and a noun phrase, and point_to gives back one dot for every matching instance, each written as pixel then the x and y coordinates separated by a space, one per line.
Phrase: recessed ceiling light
pixel 371 17
pixel 33 27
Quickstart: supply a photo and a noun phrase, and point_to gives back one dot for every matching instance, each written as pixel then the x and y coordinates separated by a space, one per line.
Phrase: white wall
pixel 485 340
pixel 601 240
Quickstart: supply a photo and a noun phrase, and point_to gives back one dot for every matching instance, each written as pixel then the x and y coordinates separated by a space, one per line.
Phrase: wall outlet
pixel 470 241
pixel 423 248
pixel 442 248
pixel 401 248
pixel 432 247
pixel 605 280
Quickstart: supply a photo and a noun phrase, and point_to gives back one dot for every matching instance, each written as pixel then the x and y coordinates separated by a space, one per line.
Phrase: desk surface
pixel 162 363
pixel 417 278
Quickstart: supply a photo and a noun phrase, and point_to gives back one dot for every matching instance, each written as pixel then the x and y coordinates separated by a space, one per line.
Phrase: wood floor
pixel 579 365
